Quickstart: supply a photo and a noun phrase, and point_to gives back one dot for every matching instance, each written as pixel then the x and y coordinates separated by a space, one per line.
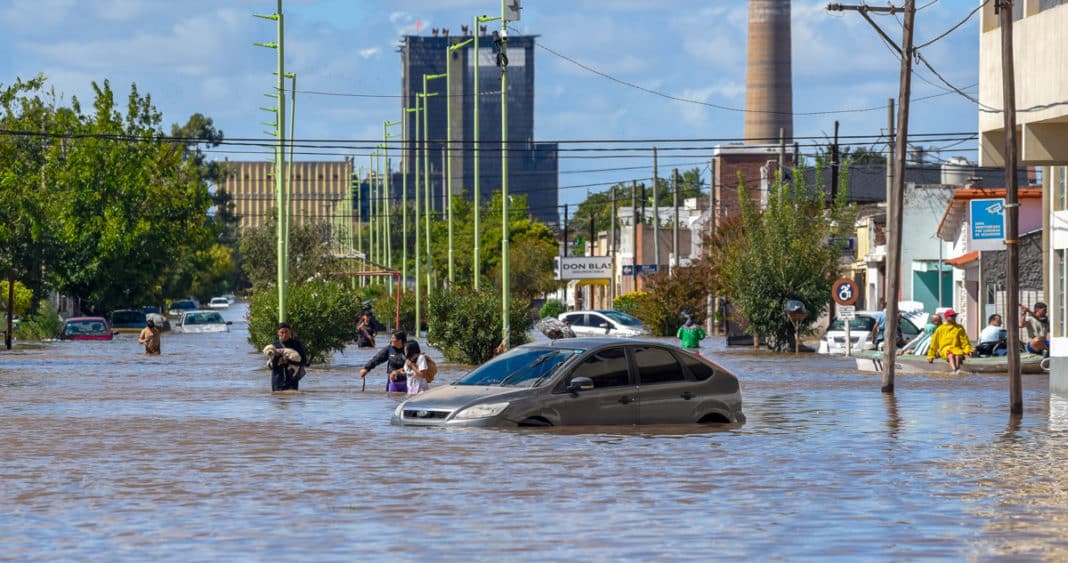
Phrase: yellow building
pixel 318 189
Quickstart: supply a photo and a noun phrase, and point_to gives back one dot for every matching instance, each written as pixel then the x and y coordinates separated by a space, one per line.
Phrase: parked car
pixel 604 322
pixel 219 303
pixel 127 320
pixel 182 305
pixel 86 328
pixel 834 340
pixel 577 381
pixel 202 321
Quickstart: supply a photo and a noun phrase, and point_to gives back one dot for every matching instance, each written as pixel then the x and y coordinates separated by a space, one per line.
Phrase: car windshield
pixel 863 324
pixel 88 328
pixel 622 318
pixel 203 318
pixel 128 317
pixel 520 367
pixel 184 305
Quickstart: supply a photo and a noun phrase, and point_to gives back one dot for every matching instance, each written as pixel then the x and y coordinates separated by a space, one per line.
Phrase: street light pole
pixel 448 145
pixel 426 173
pixel 404 189
pixel 477 195
pixel 420 105
pixel 389 193
pixel 281 201
pixel 502 62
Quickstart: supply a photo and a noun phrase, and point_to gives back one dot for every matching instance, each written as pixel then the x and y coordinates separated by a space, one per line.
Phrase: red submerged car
pixel 86 328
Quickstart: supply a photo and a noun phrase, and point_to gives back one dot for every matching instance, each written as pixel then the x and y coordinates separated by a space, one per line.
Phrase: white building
pixel 1041 85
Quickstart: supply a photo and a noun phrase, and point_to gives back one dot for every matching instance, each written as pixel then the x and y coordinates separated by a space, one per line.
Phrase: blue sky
pixel 197 56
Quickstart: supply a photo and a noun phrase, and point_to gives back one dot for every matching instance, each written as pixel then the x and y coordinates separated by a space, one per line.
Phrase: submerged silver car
pixel 577 381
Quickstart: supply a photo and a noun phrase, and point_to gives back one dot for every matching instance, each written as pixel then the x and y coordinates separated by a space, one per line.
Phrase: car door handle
pixel 687 395
pixel 626 399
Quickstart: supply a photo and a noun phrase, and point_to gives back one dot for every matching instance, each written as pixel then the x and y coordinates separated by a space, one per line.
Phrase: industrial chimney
pixel 768 84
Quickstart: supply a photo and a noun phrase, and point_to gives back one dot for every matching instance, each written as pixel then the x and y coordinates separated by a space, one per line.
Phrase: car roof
pixel 85 319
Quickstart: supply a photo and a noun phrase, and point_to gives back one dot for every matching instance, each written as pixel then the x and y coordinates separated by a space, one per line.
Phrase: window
pixel 577 320
pixel 1060 188
pixel 607 368
pixel 656 365
pixel 700 370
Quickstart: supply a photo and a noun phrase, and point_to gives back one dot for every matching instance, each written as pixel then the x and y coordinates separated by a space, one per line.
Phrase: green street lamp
pixel 389 197
pixel 448 145
pixel 281 199
pixel 426 172
pixel 477 196
pixel 404 189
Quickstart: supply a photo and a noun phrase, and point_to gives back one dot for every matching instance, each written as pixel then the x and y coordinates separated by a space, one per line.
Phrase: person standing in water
pixel 150 337
pixel 691 334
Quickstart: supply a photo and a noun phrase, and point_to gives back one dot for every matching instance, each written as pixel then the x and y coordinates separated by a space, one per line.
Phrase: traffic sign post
pixel 845 293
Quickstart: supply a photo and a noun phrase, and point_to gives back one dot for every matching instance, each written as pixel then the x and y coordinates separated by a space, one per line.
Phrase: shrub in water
pixel 321 312
pixel 466 325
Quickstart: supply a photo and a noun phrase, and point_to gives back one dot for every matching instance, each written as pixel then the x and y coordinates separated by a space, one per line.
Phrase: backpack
pixel 431 369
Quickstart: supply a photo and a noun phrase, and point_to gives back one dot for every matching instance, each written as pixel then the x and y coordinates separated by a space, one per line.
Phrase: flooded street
pixel 109 454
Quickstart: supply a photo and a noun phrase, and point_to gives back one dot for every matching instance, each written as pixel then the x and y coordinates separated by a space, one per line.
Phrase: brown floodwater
pixel 110 455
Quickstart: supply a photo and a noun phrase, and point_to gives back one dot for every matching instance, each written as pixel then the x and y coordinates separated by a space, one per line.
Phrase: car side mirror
pixel 229 323
pixel 580 384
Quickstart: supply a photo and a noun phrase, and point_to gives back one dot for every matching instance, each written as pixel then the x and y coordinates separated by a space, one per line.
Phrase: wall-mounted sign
pixel 582 267
pixel 987 224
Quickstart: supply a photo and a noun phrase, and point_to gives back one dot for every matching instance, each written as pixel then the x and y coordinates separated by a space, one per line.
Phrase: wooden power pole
pixel 1012 207
pixel 894 204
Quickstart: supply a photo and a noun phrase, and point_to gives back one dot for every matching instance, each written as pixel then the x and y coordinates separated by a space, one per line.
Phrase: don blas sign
pixel 583 267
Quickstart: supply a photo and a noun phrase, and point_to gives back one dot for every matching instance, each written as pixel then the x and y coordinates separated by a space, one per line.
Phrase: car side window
pixel 700 370
pixel 657 365
pixel 577 320
pixel 607 368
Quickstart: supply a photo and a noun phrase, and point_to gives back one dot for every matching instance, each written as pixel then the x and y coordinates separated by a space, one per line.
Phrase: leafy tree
pixel 309 252
pixel 666 296
pixel 23 299
pixel 789 250
pixel 466 325
pixel 320 311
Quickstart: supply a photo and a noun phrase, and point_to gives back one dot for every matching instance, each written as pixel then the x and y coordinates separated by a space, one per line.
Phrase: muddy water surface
pixel 111 455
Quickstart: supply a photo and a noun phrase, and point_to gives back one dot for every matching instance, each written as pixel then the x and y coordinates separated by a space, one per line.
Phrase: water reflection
pixel 111 454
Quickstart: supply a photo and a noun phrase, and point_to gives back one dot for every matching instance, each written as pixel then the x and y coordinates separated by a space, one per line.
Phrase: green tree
pixel 789 250
pixel 23 299
pixel 321 312
pixel 309 252
pixel 466 325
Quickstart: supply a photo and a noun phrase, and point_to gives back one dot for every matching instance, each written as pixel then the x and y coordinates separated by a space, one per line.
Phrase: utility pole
pixel 612 248
pixel 634 234
pixel 565 230
pixel 675 229
pixel 895 201
pixel 656 213
pixel 834 166
pixel 1012 206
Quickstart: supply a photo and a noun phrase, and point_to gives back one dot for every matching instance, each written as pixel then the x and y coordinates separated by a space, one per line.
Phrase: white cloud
pixel 370 52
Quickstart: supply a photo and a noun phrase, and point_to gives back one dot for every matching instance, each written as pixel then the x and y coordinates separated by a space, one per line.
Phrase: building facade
pixel 318 189
pixel 1041 87
pixel 450 109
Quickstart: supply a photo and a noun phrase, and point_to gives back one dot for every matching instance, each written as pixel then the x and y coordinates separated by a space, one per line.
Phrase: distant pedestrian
pixel 365 331
pixel 691 334
pixel 150 337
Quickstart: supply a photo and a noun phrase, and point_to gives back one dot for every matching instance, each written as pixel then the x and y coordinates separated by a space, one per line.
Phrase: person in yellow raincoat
pixel 950 341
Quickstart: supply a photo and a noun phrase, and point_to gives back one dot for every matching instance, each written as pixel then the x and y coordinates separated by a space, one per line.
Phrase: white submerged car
pixel 219 303
pixel 202 321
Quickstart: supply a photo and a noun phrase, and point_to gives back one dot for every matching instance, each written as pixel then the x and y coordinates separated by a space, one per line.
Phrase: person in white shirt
pixel 415 366
pixel 993 331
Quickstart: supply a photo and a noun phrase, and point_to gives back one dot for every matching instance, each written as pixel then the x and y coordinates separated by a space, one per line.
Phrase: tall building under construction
pixel 532 166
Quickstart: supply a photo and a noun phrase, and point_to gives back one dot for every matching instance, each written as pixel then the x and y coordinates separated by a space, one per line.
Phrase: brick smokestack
pixel 768 84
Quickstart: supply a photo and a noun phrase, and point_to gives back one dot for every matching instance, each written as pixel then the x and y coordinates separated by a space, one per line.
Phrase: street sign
pixel 987 228
pixel 847 312
pixel 643 269
pixel 845 291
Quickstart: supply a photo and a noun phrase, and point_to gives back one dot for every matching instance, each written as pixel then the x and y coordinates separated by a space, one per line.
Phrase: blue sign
pixel 628 270
pixel 987 225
